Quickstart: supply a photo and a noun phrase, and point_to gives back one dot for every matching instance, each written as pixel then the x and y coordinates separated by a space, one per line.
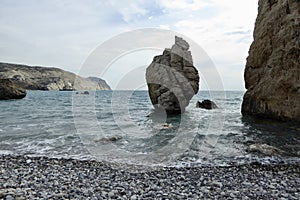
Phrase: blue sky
pixel 64 33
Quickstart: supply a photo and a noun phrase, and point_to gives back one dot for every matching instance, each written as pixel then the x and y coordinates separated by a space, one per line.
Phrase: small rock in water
pixel 109 139
pixel 206 104
pixel 264 149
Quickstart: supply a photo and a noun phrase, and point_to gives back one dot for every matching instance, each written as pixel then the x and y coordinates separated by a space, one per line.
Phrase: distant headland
pixel 49 78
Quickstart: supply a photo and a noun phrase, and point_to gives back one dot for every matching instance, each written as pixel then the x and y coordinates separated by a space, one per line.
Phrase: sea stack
pixel 272 73
pixel 172 78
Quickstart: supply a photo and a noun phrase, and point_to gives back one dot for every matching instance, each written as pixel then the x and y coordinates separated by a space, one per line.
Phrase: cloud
pixel 239 32
pixel 64 32
pixel 129 10
pixel 54 33
pixel 164 26
pixel 191 5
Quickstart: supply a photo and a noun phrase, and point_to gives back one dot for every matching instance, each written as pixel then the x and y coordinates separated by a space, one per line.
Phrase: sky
pixel 65 33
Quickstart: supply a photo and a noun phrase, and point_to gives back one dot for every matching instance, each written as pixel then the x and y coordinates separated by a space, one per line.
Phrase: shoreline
pixel 23 177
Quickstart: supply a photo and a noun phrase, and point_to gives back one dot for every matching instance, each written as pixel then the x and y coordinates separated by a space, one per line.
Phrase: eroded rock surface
pixel 272 73
pixel 172 79
pixel 10 90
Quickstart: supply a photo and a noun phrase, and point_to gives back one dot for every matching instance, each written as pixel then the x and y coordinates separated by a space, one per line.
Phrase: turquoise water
pixel 119 126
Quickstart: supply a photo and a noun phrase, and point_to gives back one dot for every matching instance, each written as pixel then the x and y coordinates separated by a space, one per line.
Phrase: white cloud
pixel 129 9
pixel 225 36
pixel 184 4
pixel 164 26
pixel 63 33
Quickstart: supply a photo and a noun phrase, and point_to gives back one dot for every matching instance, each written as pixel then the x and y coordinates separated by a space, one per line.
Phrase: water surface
pixel 119 126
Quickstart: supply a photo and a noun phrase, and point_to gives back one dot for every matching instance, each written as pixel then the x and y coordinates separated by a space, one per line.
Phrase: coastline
pixel 23 177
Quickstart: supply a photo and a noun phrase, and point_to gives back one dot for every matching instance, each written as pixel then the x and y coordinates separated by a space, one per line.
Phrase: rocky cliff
pixel 46 78
pixel 172 79
pixel 11 90
pixel 272 73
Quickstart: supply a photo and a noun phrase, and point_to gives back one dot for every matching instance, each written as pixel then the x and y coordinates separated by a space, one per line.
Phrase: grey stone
pixel 111 193
pixel 9 197
pixel 264 149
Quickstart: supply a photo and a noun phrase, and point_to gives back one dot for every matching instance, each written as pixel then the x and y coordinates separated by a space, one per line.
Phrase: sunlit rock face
pixel 49 78
pixel 272 74
pixel 172 79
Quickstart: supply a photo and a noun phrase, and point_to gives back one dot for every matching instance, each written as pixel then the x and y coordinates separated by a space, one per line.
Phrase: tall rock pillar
pixel 172 79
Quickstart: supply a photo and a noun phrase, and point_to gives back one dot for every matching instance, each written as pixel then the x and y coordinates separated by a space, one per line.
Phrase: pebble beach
pixel 24 177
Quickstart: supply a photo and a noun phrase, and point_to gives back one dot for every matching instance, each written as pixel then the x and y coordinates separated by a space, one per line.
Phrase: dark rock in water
pixel 86 92
pixel 272 73
pixel 108 139
pixel 172 79
pixel 11 90
pixel 206 104
pixel 66 88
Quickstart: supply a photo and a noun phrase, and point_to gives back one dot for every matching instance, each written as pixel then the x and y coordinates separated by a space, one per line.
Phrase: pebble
pixel 9 197
pixel 232 195
pixel 218 184
pixel 111 194
pixel 42 178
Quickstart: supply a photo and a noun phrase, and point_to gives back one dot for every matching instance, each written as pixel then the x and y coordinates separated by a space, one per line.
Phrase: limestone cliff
pixel 46 78
pixel 172 79
pixel 272 73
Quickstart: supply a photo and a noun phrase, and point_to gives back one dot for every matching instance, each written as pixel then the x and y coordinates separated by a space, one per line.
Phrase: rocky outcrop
pixel 272 73
pixel 11 90
pixel 49 78
pixel 172 79
pixel 264 149
pixel 101 83
pixel 206 104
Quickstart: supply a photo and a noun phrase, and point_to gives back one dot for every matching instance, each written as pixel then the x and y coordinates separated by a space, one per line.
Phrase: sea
pixel 122 127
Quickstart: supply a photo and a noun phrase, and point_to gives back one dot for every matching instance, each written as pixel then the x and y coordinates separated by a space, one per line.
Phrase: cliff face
pixel 11 90
pixel 272 73
pixel 43 78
